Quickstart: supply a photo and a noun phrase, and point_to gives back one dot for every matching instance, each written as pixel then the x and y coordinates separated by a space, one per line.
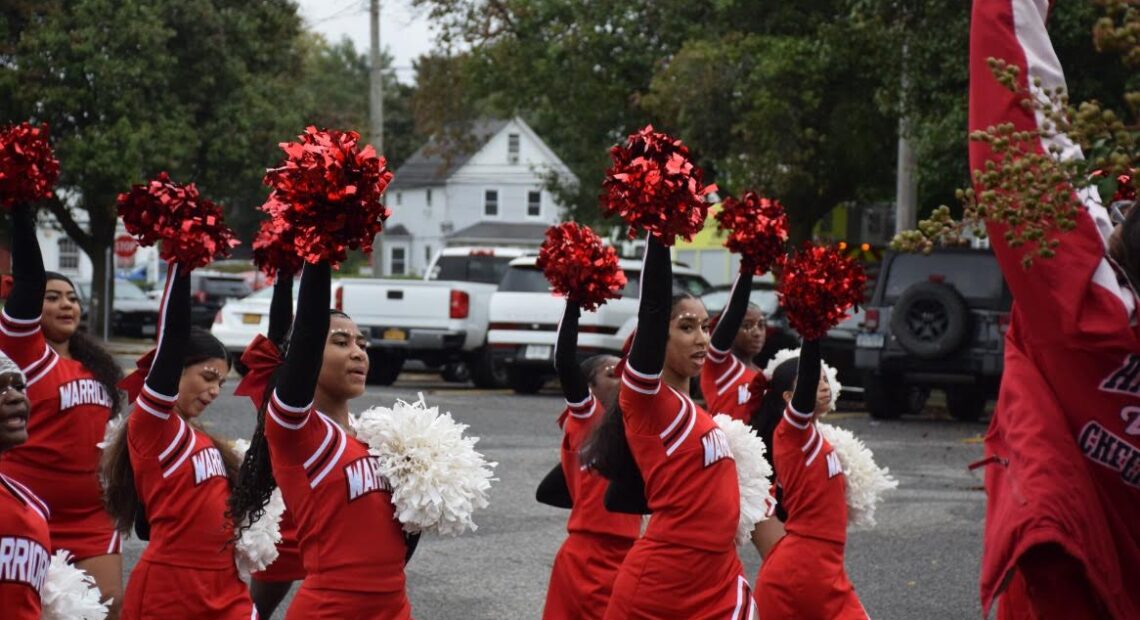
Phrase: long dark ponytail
pixel 120 495
pixel 607 449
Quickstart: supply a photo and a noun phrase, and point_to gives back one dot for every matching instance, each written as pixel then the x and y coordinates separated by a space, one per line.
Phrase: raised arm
pixel 173 334
pixel 647 354
pixel 281 308
pixel 297 379
pixel 733 315
pixel 807 379
pixel 574 384
pixel 29 280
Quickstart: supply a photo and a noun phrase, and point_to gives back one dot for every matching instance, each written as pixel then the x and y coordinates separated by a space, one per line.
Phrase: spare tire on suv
pixel 930 320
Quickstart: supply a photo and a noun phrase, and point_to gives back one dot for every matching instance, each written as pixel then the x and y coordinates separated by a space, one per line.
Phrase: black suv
pixel 934 321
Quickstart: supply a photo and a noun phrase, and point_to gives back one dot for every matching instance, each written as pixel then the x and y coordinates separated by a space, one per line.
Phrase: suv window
pixel 975 275
pixel 693 285
pixel 485 269
pixel 225 287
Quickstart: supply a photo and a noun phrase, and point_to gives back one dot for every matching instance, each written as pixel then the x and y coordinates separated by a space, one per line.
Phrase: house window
pixel 68 255
pixel 427 253
pixel 533 203
pixel 398 261
pixel 513 148
pixel 399 198
pixel 491 203
pixel 429 197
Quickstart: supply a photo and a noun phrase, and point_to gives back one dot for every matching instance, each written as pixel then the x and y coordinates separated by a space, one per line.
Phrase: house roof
pixel 484 233
pixel 434 163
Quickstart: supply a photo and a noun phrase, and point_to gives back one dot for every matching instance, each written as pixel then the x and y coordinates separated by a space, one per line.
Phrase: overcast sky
pixel 404 33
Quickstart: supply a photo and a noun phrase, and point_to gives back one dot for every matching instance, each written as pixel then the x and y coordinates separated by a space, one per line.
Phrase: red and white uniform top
pixel 808 470
pixel 181 479
pixel 685 460
pixel 25 550
pixel 350 538
pixel 587 488
pixel 726 383
pixel 1064 443
pixel 69 410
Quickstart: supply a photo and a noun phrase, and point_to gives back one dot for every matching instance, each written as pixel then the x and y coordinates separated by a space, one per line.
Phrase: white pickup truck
pixel 440 320
pixel 524 320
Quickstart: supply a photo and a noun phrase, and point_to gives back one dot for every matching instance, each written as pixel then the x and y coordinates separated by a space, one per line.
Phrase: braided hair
pixel 255 482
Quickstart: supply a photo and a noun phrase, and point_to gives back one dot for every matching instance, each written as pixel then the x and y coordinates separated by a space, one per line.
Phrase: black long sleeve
pixel 297 379
pixel 173 335
pixel 734 313
pixel 807 377
pixel 647 355
pixel 574 384
pixel 26 300
pixel 281 308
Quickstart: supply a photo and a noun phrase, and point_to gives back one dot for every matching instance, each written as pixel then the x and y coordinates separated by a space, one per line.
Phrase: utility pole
pixel 906 180
pixel 375 81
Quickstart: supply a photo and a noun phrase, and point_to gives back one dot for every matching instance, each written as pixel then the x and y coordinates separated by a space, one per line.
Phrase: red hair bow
pixel 261 358
pixel 133 383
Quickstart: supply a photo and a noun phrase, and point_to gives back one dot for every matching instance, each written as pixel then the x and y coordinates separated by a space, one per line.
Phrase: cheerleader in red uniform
pixel 685 566
pixel 588 560
pixel 177 478
pixel 729 375
pixel 352 547
pixel 71 382
pixel 23 516
pixel 803 577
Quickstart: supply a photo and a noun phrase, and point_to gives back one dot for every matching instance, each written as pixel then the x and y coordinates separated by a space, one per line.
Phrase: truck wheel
pixel 966 402
pixel 486 373
pixel 455 372
pixel 930 320
pixel 383 367
pixel 525 381
pixel 885 397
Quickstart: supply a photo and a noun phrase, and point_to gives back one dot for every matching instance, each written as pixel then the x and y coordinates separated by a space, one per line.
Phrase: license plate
pixel 537 352
pixel 869 341
pixel 394 334
pixel 148 330
pixel 251 319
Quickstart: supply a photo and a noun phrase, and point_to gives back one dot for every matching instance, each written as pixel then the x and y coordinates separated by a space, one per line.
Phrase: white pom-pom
pixel 69 593
pixel 753 474
pixel 257 547
pixel 438 479
pixel 110 431
pixel 866 481
pixel 831 373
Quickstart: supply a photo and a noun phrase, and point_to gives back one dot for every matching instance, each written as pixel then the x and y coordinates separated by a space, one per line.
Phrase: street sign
pixel 125 246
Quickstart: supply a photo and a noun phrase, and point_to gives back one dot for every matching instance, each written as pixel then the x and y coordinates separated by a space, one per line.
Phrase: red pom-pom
pixel 654 186
pixel 758 230
pixel 274 249
pixel 28 168
pixel 191 228
pixel 817 285
pixel 579 266
pixel 328 191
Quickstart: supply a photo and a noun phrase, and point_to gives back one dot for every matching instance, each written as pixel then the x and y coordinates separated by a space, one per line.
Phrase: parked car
pixel 209 291
pixel 472 264
pixel 524 320
pixel 934 321
pixel 240 320
pixel 132 312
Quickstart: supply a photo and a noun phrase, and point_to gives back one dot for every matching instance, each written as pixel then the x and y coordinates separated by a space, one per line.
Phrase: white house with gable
pixel 495 194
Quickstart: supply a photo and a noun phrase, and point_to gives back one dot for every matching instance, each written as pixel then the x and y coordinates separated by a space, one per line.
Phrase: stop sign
pixel 125 246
